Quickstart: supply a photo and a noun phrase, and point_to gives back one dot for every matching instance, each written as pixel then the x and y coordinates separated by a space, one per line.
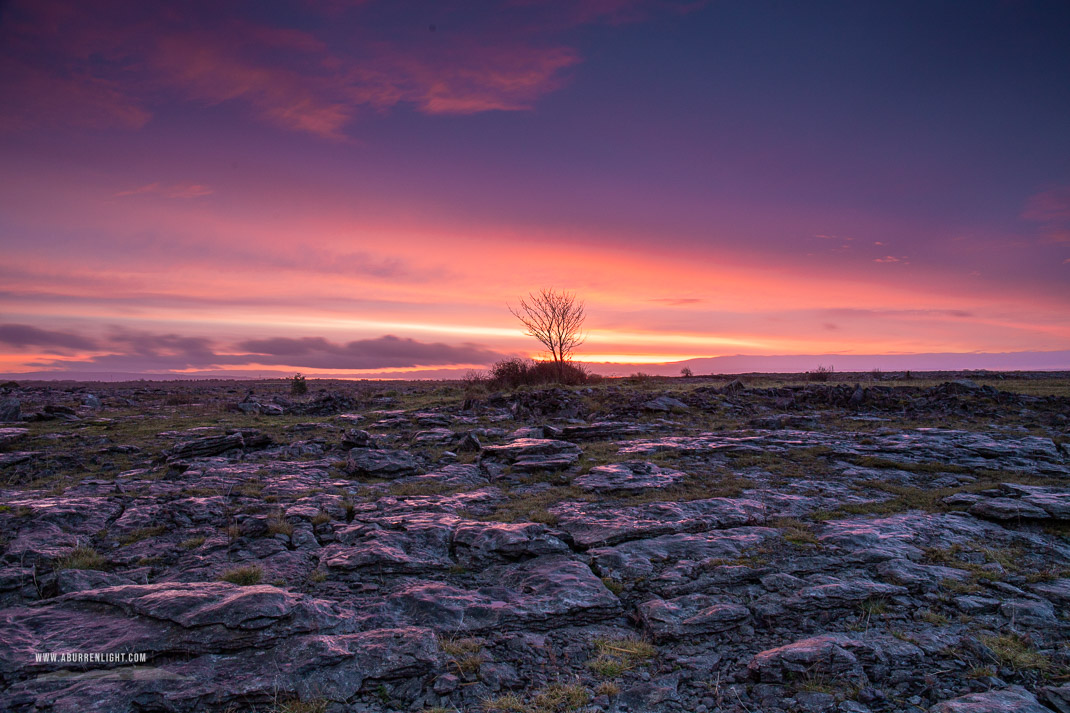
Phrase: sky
pixel 363 187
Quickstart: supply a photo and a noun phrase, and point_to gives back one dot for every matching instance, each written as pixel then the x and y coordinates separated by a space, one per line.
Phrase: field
pixel 773 542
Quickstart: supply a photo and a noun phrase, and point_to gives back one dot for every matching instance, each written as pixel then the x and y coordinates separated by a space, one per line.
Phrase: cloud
pixel 1051 210
pixel 384 352
pixel 135 350
pixel 182 190
pixel 1051 206
pixel 91 65
pixel 24 335
pixel 892 259
pixel 850 312
pixel 677 301
pixel 37 96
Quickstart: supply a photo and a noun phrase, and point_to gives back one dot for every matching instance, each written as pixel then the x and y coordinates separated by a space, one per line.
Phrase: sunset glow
pixel 363 188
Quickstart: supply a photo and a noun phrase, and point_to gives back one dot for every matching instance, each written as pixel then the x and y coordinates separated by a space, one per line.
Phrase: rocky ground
pixel 635 545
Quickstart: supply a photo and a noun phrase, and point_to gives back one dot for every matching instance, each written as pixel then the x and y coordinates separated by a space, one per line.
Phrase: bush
pixel 686 372
pixel 511 373
pixel 298 385
pixel 821 373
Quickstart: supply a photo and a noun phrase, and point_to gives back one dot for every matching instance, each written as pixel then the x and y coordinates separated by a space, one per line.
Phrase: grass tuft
pixel 244 576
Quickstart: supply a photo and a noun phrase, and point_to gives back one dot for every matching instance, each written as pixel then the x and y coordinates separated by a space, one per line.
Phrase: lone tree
pixel 555 319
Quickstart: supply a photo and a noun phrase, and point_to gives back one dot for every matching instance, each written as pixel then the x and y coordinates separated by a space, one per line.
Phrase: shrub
pixel 511 373
pixel 298 386
pixel 686 372
pixel 821 373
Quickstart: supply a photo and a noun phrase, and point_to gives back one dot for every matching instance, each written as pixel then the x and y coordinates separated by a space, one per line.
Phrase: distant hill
pixel 736 364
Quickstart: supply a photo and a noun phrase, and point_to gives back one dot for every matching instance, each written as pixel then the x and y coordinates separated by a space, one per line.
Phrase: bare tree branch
pixel 555 319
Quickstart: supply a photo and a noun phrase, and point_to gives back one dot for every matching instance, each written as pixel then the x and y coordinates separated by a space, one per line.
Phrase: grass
pixel 509 703
pixel 615 656
pixel 905 498
pixel 244 576
pixel 795 531
pixel 192 543
pixel 82 557
pixel 533 507
pixel 555 698
pixel 607 688
pixel 1017 653
pixel 142 533
pixel 321 518
pixel 931 617
pixel 277 525
pixel 296 705
pixel 559 698
pixel 465 654
pixel 613 585
pixel 874 607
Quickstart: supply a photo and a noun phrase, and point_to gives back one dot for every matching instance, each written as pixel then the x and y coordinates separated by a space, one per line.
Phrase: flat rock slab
pixel 832 655
pixel 1030 454
pixel 545 592
pixel 457 475
pixel 600 430
pixel 592 525
pixel 531 454
pixel 321 667
pixel 665 404
pixel 397 544
pixel 1007 509
pixel 678 554
pixel 205 447
pixel 842 593
pixel 15 457
pixel 1055 501
pixel 477 542
pixel 9 436
pixel 628 477
pixel 1014 699
pixel 692 615
pixel 381 463
pixel 164 618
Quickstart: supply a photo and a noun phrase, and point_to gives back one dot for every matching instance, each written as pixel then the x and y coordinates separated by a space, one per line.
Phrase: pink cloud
pixel 187 190
pixel 37 97
pixel 293 79
pixel 1049 206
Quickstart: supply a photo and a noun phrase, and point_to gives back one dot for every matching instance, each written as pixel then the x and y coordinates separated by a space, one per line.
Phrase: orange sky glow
pixel 249 196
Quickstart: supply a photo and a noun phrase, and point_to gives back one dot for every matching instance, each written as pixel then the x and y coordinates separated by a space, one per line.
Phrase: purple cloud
pixel 23 335
pixel 144 351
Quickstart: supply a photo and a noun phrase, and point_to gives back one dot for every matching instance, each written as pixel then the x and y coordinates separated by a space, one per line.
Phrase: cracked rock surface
pixel 665 545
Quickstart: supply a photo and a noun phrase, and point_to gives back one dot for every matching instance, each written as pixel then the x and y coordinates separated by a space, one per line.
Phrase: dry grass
pixel 1017 653
pixel 82 557
pixel 244 576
